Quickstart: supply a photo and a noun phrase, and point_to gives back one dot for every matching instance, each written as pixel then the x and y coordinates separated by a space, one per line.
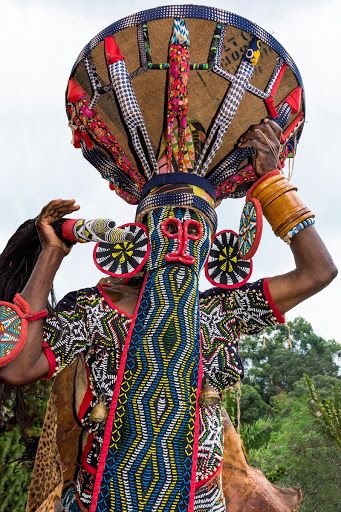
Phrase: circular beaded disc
pixel 13 330
pixel 250 229
pixel 124 259
pixel 224 267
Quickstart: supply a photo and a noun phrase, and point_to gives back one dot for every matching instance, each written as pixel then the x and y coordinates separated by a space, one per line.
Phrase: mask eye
pixel 192 229
pixel 172 228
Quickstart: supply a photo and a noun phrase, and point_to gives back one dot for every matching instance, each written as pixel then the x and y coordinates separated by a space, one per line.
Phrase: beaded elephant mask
pixel 157 102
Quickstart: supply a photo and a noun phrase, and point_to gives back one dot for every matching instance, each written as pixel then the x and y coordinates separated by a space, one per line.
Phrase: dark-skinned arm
pixel 31 364
pixel 314 270
pixel 314 267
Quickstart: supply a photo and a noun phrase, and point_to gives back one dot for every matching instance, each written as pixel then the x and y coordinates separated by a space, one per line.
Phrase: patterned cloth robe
pixel 88 324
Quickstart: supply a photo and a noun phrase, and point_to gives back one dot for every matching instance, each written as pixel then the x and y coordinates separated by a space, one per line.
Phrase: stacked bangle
pixel 281 205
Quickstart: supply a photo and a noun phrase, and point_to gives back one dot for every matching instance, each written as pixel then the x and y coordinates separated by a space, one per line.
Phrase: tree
pixel 328 409
pixel 21 417
pixel 273 363
pixel 298 452
pixel 14 474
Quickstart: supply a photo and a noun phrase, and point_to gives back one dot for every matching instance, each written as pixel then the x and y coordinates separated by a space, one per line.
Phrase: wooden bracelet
pixel 280 203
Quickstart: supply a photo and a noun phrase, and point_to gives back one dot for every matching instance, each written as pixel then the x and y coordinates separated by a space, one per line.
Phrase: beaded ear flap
pixel 224 267
pixel 250 228
pixel 14 320
pixel 126 258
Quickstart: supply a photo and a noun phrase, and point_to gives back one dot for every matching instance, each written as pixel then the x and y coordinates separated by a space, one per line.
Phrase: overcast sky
pixel 40 41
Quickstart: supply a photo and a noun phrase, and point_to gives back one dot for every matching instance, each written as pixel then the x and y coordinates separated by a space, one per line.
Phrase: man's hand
pixel 52 212
pixel 31 364
pixel 265 138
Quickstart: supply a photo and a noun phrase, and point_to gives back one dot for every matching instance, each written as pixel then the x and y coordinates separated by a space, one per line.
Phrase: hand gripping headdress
pixel 157 102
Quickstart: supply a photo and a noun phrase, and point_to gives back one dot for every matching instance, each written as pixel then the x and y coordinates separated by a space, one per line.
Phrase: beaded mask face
pixel 178 236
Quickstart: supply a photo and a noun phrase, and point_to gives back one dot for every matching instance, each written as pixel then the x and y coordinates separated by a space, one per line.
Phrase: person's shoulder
pixel 217 292
pixel 72 298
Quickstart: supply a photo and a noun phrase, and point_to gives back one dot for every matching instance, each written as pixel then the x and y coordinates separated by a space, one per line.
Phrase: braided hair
pixel 18 259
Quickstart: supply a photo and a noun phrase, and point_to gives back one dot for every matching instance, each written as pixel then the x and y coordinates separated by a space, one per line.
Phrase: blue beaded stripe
pixel 299 227
pixel 192 11
pixel 182 200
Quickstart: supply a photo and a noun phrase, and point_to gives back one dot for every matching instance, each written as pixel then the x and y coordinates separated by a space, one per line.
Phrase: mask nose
pixel 189 229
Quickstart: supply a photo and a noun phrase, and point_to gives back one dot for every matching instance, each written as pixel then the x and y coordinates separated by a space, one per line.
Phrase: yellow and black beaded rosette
pixel 126 258
pixel 224 267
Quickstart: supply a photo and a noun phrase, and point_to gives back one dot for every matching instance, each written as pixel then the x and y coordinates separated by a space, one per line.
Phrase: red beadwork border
pixel 259 228
pixel 22 337
pixel 111 415
pixel 227 286
pixel 138 268
pixel 279 317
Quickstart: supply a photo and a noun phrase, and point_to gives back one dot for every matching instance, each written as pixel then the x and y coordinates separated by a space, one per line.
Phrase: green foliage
pixel 230 402
pixel 329 409
pixel 14 474
pixel 252 405
pixel 21 417
pixel 257 434
pixel 298 453
pixel 274 363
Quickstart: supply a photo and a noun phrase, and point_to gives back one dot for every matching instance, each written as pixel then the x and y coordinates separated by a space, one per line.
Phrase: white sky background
pixel 40 40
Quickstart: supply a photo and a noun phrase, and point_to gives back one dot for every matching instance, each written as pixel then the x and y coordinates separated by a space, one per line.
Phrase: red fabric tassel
pixel 76 138
pixel 294 100
pixel 112 50
pixel 75 91
pixel 88 142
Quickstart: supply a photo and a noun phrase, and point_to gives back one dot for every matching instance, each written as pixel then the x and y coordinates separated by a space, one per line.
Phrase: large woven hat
pixel 171 90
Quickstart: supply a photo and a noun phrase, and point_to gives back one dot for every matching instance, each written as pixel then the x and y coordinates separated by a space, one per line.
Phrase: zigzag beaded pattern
pixel 84 322
pixel 211 442
pixel 210 498
pixel 149 463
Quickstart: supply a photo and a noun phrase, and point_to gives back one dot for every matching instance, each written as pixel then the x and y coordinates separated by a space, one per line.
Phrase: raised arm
pixel 31 364
pixel 314 270
pixel 314 266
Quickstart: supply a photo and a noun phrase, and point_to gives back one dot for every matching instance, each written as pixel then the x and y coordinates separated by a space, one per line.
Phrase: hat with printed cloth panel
pixel 163 96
